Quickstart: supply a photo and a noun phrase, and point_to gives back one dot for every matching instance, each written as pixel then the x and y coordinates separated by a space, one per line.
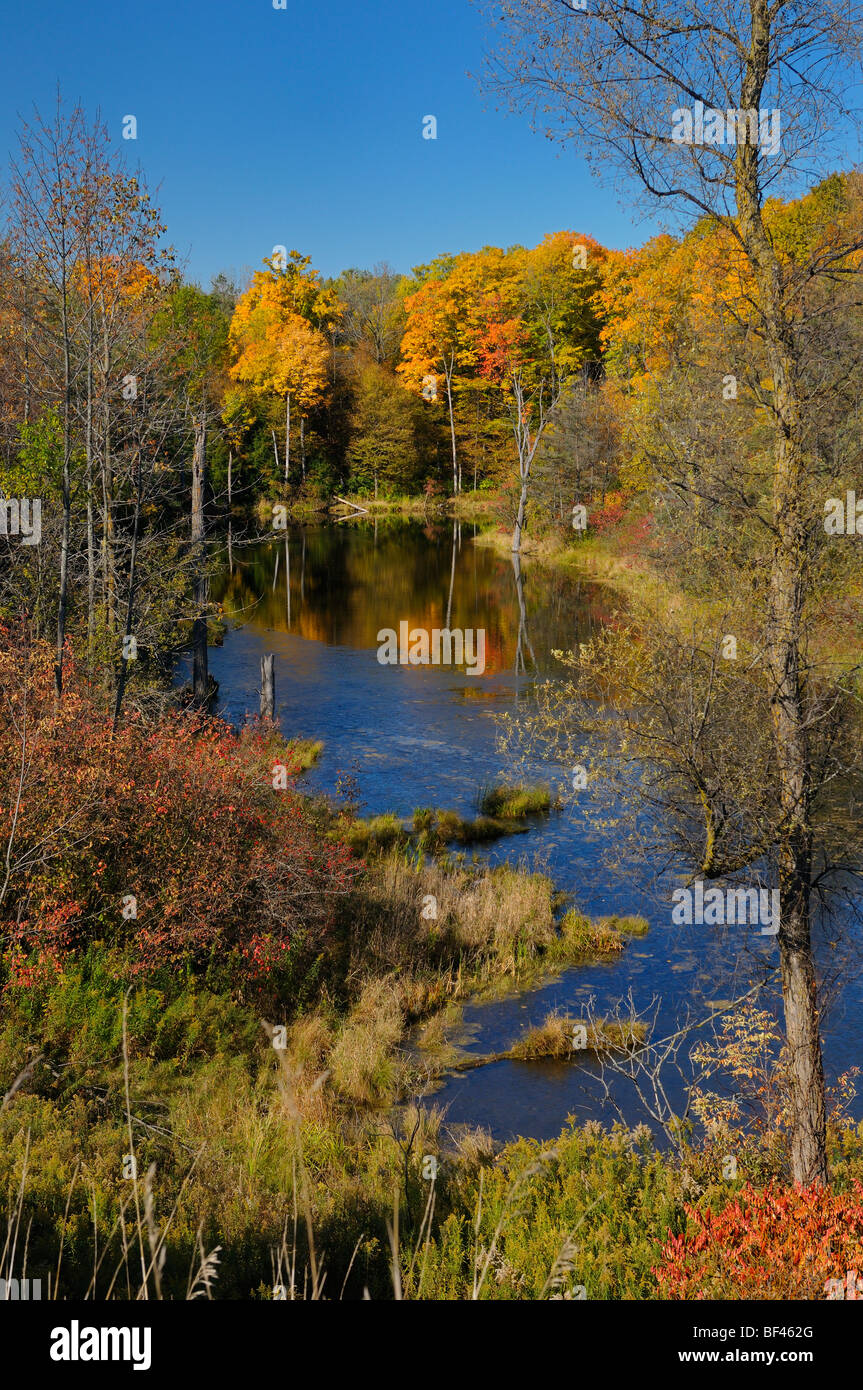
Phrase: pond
pixel 423 735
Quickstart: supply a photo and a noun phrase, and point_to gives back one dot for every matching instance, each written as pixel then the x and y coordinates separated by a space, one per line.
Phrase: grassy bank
pixel 469 506
pixel 253 1175
pixel 177 1098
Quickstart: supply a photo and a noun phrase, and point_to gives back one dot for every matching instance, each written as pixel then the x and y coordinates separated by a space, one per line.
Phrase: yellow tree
pixel 434 344
pixel 276 350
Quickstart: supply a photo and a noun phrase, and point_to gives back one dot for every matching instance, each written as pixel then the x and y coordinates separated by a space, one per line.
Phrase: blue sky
pixel 304 127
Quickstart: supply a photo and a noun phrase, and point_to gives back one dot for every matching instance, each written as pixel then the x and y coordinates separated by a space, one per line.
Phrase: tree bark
pixel 91 534
pixel 63 597
pixel 519 519
pixel 130 602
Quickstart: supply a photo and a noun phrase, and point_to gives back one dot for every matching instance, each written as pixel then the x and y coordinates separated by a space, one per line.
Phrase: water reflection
pixel 341 586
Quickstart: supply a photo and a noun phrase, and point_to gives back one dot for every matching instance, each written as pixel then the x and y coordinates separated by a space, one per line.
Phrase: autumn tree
pixel 434 342
pixel 277 345
pixel 84 243
pixel 391 440
pixel 534 327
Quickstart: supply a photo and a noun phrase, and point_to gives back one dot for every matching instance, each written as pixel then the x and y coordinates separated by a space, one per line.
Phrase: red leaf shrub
pixel 608 514
pixel 774 1242
pixel 183 816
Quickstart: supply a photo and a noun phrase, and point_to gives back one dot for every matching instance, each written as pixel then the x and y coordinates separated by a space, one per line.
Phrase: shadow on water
pixel 411 736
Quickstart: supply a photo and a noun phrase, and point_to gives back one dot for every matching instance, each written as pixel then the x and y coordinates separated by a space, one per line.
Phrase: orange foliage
pixel 774 1243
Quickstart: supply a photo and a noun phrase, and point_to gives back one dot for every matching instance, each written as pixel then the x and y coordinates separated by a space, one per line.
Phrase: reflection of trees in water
pixel 523 639
pixel 341 585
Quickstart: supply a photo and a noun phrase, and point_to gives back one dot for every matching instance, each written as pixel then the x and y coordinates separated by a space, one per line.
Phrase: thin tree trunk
pixel 108 567
pixel 268 686
pixel 200 674
pixel 63 598
pixel 91 535
pixel 448 372
pixel 519 519
pixel 787 594
pixel 287 435
pixel 130 602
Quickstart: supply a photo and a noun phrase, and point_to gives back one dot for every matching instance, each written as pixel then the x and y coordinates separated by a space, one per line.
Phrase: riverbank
pixel 469 506
pixel 163 1129
pixel 621 561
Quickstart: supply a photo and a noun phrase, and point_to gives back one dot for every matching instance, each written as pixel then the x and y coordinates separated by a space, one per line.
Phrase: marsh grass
pixel 429 832
pixel 554 1038
pixel 603 936
pixel 255 1168
pixel 304 754
pixel 505 802
pixel 260 1181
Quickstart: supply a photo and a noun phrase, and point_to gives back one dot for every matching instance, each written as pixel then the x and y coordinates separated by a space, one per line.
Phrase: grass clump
pixel 515 802
pixel 363 1061
pixel 450 828
pixel 372 836
pixel 582 936
pixel 431 830
pixel 303 753
pixel 558 1036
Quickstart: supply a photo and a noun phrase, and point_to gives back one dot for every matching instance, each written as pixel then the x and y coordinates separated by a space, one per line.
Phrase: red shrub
pixel 774 1242
pixel 609 513
pixel 182 816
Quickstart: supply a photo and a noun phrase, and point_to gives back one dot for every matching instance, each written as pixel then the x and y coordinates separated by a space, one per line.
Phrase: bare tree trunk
pixel 268 686
pixel 130 601
pixel 200 674
pixel 522 507
pixel 108 567
pixel 448 373
pixel 91 535
pixel 230 465
pixel 527 444
pixel 63 598
pixel 287 435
